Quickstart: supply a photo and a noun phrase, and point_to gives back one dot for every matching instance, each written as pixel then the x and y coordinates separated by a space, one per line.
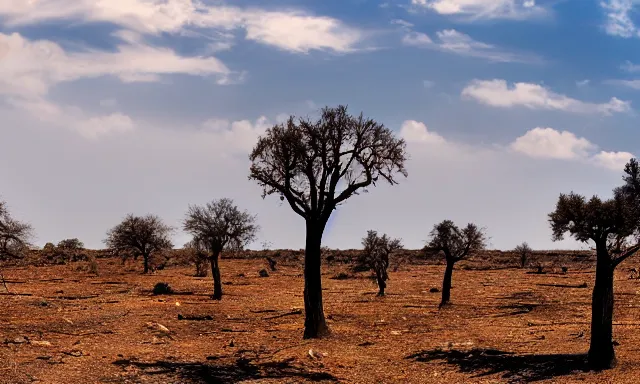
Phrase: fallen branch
pixel 83 333
pixel 296 312
pixel 4 283
pixel 73 297
pixel 15 294
pixel 264 311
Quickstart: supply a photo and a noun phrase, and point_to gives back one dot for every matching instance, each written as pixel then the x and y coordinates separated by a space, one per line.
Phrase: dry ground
pixel 503 326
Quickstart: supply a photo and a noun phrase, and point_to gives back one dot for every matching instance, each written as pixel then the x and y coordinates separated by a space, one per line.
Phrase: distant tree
pixel 15 236
pixel 140 236
pixel 220 226
pixel 376 256
pixel 524 252
pixel 613 226
pixel 199 255
pixel 456 244
pixel 315 166
pixel 71 244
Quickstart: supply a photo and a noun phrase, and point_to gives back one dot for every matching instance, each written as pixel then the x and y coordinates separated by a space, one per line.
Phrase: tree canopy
pixel 454 242
pixel 14 235
pixel 220 224
pixel 317 165
pixel 140 236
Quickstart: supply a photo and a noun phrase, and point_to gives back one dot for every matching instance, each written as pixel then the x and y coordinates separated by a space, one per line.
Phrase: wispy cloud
pixel 291 30
pixel 484 9
pixel 452 41
pixel 618 15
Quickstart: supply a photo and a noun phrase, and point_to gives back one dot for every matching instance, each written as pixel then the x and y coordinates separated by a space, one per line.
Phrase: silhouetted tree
pixel 140 236
pixel 524 251
pixel 220 225
pixel 456 244
pixel 317 165
pixel 14 235
pixel 376 256
pixel 199 256
pixel 613 226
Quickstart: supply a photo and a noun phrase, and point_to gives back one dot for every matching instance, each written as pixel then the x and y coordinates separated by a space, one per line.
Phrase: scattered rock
pixel 162 289
pixel 17 340
pixel 396 333
pixel 264 273
pixel 316 354
pixel 40 343
pixel 365 344
pixel 434 290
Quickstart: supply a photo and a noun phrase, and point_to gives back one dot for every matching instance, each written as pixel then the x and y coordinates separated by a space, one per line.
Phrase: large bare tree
pixel 140 236
pixel 220 225
pixel 14 235
pixel 612 225
pixel 456 244
pixel 375 256
pixel 315 165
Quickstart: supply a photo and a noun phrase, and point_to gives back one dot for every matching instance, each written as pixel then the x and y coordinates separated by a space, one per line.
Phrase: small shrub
pixel 93 266
pixel 71 244
pixel 162 289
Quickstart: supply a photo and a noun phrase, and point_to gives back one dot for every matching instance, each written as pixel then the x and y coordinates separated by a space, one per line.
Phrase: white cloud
pixel 497 93
pixel 583 83
pixel 552 144
pixel 614 161
pixel 428 83
pixel 416 132
pixel 108 103
pixel 30 68
pixel 290 30
pixel 452 41
pixel 483 9
pixel 548 143
pixel 70 117
pixel 630 67
pixel 618 14
pixel 239 135
pixel 634 84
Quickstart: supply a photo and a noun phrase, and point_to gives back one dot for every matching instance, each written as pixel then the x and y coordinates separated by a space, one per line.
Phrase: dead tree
pixel 524 252
pixel 375 256
pixel 15 236
pixel 456 244
pixel 316 166
pixel 140 236
pixel 220 225
pixel 613 226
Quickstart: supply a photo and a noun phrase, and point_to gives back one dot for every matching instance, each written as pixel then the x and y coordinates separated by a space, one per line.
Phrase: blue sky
pixel 146 106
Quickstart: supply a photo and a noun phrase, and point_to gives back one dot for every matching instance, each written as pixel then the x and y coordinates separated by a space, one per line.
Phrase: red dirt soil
pixel 503 325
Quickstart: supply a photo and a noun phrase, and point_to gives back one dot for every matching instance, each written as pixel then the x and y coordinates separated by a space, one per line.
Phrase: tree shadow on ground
pixel 240 370
pixel 514 368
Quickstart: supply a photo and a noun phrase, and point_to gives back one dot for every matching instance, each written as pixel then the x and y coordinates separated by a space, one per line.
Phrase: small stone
pixel 40 343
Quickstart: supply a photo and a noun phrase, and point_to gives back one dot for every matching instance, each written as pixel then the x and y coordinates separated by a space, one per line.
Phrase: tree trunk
pixel 215 272
pixel 446 283
pixel 146 263
pixel 381 283
pixel 315 325
pixel 601 353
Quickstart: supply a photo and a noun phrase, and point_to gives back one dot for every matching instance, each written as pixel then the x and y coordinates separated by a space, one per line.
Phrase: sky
pixel 109 107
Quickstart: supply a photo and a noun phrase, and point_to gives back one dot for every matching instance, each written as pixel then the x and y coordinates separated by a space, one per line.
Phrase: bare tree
pixel 140 236
pixel 220 225
pixel 613 226
pixel 199 255
pixel 376 256
pixel 524 252
pixel 316 166
pixel 456 244
pixel 14 235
